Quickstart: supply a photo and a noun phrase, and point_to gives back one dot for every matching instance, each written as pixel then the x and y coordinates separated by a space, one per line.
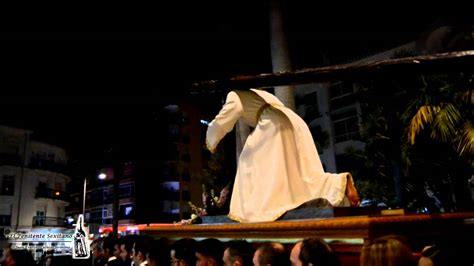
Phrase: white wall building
pixel 333 107
pixel 32 183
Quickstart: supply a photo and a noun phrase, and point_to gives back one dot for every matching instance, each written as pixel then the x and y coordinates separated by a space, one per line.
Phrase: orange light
pixel 57 193
pixel 123 228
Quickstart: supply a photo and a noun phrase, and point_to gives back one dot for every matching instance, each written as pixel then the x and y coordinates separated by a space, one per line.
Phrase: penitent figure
pixel 80 249
pixel 279 168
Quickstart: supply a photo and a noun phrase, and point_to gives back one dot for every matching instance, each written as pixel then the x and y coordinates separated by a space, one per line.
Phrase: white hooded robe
pixel 279 167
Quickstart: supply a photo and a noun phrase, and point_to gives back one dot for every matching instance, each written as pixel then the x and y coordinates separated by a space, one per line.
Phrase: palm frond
pixel 412 107
pixel 466 143
pixel 423 116
pixel 446 122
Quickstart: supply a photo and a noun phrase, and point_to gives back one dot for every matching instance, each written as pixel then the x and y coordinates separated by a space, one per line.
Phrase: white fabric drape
pixel 279 167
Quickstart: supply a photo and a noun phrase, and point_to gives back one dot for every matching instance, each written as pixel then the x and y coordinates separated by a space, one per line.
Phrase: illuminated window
pixel 128 210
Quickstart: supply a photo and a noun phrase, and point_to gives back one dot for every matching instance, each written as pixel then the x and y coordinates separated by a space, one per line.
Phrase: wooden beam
pixel 424 64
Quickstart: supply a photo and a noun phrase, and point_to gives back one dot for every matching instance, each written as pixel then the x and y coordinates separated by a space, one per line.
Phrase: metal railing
pixel 49 165
pixel 49 221
pixel 101 221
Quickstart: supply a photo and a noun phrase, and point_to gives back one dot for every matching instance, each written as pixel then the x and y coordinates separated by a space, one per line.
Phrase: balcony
pixel 10 159
pixel 48 165
pixel 49 221
pixel 97 197
pixel 99 220
pixel 48 193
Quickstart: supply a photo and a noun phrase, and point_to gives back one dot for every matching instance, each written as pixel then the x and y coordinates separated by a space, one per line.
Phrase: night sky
pixel 88 78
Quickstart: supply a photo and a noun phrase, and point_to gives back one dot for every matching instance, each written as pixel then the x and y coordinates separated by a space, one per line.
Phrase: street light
pixel 103 176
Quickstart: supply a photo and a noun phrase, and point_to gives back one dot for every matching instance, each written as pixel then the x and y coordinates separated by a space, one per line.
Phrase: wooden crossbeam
pixel 424 64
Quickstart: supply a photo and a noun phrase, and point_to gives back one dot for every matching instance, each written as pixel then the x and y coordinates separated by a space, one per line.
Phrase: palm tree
pixel 439 137
pixel 432 136
pixel 444 109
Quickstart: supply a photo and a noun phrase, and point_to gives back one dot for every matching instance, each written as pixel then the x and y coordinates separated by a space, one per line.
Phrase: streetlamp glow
pixel 102 176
